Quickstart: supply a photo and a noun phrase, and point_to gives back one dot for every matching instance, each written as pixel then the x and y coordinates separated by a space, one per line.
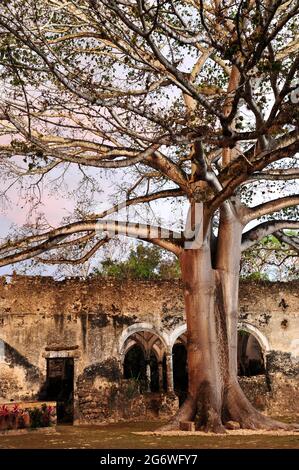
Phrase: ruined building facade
pixel 109 350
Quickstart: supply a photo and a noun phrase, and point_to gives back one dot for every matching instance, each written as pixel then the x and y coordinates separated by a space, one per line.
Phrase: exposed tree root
pixel 211 423
pixel 236 407
pixel 208 417
pixel 186 413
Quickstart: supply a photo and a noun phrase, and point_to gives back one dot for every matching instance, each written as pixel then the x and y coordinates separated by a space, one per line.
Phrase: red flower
pixel 16 410
pixel 4 410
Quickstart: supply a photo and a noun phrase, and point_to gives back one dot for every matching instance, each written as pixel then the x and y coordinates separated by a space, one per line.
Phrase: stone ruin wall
pixel 88 320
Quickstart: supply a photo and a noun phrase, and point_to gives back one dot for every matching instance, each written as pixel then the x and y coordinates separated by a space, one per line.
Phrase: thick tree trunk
pixel 211 305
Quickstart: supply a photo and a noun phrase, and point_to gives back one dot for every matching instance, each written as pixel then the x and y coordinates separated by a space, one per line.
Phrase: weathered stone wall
pixel 89 320
pixel 273 308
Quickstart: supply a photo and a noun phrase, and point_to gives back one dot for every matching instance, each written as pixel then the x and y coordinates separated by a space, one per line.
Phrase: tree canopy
pixel 189 99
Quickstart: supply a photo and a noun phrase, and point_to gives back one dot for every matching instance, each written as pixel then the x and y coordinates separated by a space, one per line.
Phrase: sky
pixel 58 200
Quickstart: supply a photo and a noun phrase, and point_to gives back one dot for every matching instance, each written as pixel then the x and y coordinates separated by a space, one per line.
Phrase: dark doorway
pixel 164 374
pixel 180 373
pixel 154 373
pixel 60 387
pixel 250 355
pixel 135 366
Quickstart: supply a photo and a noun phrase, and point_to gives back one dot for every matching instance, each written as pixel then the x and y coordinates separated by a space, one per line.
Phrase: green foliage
pixel 256 276
pixel 144 262
pixel 242 333
pixel 35 418
pixel 40 417
pixel 266 261
pixel 133 388
pixel 270 260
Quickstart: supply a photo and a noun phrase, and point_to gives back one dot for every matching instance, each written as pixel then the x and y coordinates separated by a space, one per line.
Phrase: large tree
pixel 192 99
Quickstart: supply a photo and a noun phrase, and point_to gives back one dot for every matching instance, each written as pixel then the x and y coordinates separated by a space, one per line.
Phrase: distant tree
pixel 169 268
pixel 268 260
pixel 143 262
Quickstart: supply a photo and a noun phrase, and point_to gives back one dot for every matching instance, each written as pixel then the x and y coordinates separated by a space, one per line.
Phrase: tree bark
pixel 211 305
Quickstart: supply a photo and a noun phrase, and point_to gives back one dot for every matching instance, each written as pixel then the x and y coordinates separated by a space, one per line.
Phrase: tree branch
pixel 270 207
pixel 81 260
pixel 256 234
pixel 293 242
pixel 162 237
pixel 275 175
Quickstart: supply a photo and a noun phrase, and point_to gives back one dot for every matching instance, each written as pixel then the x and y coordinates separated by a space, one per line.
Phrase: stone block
pixel 232 425
pixel 187 426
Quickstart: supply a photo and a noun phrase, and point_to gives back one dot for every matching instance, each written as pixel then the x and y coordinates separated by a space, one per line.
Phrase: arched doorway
pixel 135 366
pixel 250 355
pixel 180 367
pixel 180 371
pixel 154 370
pixel 143 360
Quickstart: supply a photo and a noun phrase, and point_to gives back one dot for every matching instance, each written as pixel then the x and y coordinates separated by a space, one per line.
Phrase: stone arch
pixel 139 327
pixel 130 344
pixel 155 346
pixel 178 366
pixel 260 337
pixel 180 330
pixel 248 327
pixel 158 352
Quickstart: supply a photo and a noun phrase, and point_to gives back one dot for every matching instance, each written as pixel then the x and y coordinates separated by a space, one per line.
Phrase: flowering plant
pixel 17 410
pixel 4 411
pixel 19 418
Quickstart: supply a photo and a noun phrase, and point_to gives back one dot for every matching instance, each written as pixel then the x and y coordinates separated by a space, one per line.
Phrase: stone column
pixel 169 372
pixel 148 375
pixel 160 371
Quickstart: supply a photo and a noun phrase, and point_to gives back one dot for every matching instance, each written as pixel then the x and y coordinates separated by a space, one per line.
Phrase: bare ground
pixel 142 435
pixel 239 432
